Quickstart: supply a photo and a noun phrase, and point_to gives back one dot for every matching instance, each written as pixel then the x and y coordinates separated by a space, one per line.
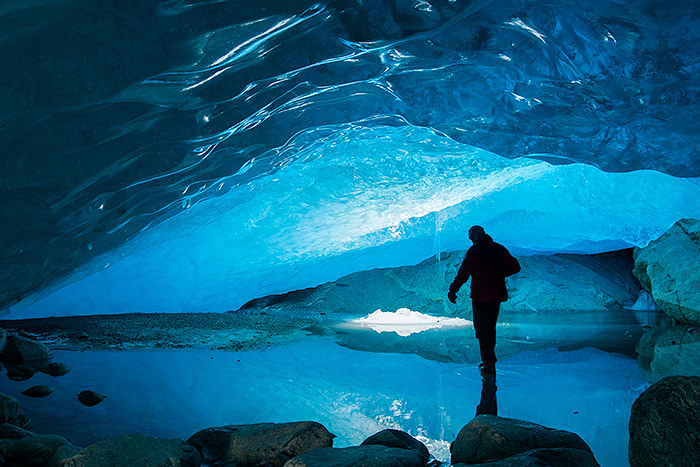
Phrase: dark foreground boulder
pixel 546 457
pixel 20 350
pixel 9 408
pixel 136 450
pixel 10 431
pixel 665 424
pixel 62 454
pixel 397 439
pixel 262 444
pixel 32 450
pixel 358 456
pixel 489 438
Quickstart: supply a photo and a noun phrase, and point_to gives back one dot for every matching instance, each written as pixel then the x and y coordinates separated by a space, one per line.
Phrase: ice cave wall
pixel 168 127
pixel 364 198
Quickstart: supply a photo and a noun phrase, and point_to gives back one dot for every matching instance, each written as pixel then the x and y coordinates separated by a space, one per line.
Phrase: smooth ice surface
pixel 405 322
pixel 174 393
pixel 350 198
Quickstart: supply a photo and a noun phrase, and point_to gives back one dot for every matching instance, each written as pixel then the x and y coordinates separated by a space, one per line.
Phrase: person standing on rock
pixel 488 264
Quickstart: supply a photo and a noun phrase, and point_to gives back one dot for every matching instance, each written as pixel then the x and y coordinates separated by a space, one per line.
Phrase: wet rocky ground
pixel 235 331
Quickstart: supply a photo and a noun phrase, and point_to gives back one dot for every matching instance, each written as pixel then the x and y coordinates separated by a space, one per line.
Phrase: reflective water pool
pixel 354 393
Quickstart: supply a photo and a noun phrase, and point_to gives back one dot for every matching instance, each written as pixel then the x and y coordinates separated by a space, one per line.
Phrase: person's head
pixel 476 232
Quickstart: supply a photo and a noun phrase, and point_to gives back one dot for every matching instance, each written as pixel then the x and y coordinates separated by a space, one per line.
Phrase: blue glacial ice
pixel 350 198
pixel 197 101
pixel 221 151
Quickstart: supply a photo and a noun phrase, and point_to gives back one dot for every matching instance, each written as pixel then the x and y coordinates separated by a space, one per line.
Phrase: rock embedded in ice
pixel 358 456
pixel 397 439
pixel 38 391
pixel 565 282
pixel 665 424
pixel 489 437
pixel 21 350
pixel 9 407
pixel 668 267
pixel 137 450
pixel 546 283
pixel 91 398
pixel 260 444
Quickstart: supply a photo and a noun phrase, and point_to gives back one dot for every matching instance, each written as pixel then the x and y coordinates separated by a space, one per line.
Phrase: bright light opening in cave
pixel 405 322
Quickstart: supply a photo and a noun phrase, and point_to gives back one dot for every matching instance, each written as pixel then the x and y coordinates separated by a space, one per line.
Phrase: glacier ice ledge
pixel 351 197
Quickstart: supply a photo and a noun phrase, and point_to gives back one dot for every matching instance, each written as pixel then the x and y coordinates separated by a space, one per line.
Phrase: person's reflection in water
pixel 488 404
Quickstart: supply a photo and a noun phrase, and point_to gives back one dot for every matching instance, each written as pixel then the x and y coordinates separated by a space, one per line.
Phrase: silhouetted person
pixel 488 404
pixel 488 264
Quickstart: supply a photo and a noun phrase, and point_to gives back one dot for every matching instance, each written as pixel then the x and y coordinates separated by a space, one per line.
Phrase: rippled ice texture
pixel 115 117
pixel 357 198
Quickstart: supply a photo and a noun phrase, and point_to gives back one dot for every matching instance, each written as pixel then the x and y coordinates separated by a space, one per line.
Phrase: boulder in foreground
pixel 20 350
pixel 32 450
pixel 136 450
pixel 262 444
pixel 665 424
pixel 10 431
pixel 668 268
pixel 546 457
pixel 489 437
pixel 398 439
pixel 9 408
pixel 359 456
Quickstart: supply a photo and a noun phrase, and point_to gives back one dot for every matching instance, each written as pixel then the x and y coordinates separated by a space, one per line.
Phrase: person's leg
pixel 485 318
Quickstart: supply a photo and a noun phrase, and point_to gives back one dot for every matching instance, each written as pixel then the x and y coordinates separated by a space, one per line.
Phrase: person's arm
pixel 465 271
pixel 509 264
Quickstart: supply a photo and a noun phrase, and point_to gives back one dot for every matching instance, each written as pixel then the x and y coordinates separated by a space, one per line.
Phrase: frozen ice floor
pixel 176 392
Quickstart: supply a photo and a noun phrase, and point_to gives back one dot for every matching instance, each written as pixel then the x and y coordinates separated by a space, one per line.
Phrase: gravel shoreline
pixel 234 331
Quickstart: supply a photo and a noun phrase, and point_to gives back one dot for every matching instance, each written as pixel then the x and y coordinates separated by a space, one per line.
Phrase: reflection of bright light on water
pixel 405 322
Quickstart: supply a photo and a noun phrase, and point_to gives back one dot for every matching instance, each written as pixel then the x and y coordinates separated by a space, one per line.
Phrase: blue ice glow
pixel 110 146
pixel 349 198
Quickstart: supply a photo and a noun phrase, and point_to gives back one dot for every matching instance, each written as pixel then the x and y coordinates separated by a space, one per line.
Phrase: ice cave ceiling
pixel 216 151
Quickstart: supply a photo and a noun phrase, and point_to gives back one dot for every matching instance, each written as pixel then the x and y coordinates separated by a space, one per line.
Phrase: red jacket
pixel 488 263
